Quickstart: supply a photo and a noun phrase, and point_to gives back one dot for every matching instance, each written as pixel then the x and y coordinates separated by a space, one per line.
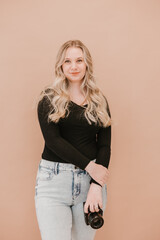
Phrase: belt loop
pixel 56 168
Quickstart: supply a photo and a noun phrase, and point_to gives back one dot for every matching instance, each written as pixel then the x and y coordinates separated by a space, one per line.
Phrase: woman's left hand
pixel 94 198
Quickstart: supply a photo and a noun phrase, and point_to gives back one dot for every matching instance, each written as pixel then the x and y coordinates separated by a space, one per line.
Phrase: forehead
pixel 73 52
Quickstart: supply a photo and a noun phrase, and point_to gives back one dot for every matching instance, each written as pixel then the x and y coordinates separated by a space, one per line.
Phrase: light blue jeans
pixel 60 190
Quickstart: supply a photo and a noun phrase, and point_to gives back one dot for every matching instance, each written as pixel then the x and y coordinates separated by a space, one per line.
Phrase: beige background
pixel 123 38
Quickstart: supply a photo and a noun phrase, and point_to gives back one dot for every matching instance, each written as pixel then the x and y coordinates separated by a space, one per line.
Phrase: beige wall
pixel 123 38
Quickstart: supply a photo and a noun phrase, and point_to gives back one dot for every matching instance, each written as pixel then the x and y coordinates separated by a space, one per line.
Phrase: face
pixel 74 67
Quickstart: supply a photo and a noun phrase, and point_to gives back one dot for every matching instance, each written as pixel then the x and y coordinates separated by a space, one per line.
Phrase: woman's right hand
pixel 98 172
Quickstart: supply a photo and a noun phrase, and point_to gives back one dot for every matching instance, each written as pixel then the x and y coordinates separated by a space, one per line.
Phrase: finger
pixel 107 175
pixel 105 180
pixel 102 183
pixel 91 207
pixel 100 205
pixel 96 207
pixel 86 207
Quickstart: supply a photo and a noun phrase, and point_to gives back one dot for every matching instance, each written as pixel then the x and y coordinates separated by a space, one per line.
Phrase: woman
pixel 75 121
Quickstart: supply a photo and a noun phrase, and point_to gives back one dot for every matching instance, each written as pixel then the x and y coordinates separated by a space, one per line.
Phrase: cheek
pixel 65 69
pixel 84 68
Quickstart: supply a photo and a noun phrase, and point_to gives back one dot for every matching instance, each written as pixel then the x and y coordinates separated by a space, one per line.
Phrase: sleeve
pixel 55 142
pixel 104 146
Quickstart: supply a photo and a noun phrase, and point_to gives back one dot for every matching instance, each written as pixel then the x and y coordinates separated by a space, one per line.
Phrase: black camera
pixel 94 219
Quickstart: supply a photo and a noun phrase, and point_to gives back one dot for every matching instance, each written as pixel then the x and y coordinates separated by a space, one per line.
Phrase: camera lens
pixel 96 221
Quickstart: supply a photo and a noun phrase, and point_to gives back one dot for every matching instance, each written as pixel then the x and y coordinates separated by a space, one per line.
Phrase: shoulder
pixel 44 102
pixel 44 105
pixel 47 96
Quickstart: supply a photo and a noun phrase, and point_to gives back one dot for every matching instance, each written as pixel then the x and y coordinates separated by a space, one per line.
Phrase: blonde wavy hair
pixel 58 97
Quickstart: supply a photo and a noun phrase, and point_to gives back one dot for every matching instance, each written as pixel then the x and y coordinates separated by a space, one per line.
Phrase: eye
pixel 67 61
pixel 80 60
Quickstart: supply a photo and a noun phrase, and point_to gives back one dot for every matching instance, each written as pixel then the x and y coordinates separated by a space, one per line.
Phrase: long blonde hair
pixel 58 94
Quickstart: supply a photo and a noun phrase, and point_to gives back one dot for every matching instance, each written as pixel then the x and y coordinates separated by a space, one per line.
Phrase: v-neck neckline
pixel 78 104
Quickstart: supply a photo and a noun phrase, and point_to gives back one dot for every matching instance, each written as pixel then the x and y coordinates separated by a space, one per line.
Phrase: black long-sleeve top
pixel 73 139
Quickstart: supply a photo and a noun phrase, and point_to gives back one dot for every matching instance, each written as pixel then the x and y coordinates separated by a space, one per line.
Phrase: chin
pixel 75 79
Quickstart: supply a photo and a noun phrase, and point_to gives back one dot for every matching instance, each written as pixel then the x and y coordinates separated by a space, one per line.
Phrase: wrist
pixel 90 166
pixel 94 185
pixel 95 182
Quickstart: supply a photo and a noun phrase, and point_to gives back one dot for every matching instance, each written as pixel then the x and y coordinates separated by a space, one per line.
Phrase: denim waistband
pixel 58 165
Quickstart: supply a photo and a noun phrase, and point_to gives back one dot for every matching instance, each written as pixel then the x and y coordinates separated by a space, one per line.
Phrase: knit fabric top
pixel 73 139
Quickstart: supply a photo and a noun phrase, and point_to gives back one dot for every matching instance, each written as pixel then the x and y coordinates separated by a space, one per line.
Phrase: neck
pixel 74 88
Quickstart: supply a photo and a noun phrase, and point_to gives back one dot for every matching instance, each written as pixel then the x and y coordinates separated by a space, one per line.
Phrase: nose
pixel 73 65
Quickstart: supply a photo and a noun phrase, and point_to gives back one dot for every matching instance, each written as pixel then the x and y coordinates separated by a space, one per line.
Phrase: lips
pixel 75 73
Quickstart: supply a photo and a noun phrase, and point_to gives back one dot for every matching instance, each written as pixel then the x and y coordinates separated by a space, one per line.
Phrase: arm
pixel 55 142
pixel 104 146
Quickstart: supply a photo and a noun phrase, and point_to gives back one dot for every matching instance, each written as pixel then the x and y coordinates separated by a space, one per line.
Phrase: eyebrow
pixel 77 58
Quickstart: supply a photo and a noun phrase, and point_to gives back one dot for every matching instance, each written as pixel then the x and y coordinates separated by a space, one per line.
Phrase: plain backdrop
pixel 123 38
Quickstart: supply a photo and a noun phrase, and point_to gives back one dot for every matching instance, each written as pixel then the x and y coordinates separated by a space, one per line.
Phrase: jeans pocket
pixel 45 173
pixel 82 172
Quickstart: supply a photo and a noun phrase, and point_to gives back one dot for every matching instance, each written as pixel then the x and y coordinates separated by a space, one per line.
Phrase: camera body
pixel 94 219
